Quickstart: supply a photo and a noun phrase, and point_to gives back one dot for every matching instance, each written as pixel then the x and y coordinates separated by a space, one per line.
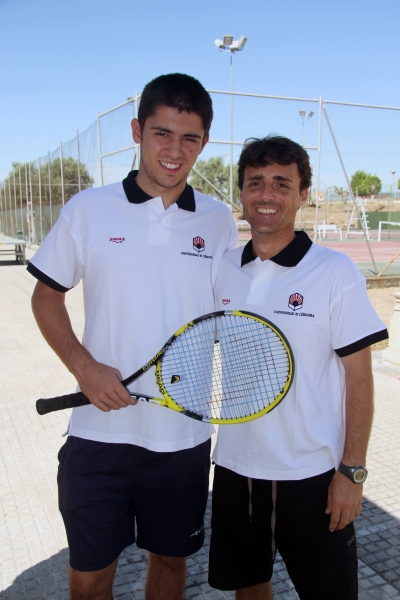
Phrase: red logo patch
pixel 117 240
pixel 198 244
pixel 295 301
pixel 225 301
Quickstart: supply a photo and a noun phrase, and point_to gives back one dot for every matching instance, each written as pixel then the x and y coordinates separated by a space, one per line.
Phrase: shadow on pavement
pixel 378 535
pixel 11 263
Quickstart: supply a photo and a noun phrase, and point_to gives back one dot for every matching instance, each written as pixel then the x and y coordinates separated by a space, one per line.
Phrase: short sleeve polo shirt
pixel 317 297
pixel 146 271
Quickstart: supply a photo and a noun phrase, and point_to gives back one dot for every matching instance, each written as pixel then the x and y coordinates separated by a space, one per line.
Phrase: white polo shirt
pixel 146 271
pixel 317 297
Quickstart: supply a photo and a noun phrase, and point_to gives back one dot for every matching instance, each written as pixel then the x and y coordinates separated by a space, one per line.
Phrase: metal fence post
pixel 15 202
pixel 79 160
pixel 27 200
pixel 62 173
pixel 351 191
pixel 137 100
pixel 318 167
pixel 6 209
pixel 20 201
pixel 30 215
pixel 11 210
pixel 40 201
pixel 5 206
pixel 99 145
pixel 50 202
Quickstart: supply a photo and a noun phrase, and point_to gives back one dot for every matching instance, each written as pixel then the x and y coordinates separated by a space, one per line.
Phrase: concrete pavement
pixel 33 547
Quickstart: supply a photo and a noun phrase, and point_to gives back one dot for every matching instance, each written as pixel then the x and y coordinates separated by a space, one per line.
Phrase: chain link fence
pixel 342 139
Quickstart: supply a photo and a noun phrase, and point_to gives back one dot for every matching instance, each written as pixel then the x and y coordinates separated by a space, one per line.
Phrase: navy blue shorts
pixel 106 490
pixel 321 564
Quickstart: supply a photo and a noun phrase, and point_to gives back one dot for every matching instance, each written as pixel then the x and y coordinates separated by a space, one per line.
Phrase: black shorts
pixel 320 564
pixel 104 489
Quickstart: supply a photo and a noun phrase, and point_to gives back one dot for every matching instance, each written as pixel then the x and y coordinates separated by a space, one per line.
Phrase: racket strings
pixel 250 371
pixel 241 374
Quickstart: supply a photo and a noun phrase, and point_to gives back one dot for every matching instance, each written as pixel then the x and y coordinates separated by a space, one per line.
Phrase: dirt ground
pixel 383 302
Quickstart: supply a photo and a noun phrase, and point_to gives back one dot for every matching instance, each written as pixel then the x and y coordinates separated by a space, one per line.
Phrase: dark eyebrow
pixel 255 178
pixel 165 130
pixel 281 178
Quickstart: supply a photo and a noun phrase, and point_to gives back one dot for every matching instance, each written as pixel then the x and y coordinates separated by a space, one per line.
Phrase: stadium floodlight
pixel 302 113
pixel 310 114
pixel 228 44
pixel 220 44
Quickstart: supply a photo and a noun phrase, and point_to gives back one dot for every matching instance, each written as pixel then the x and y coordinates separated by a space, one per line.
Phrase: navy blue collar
pixel 290 256
pixel 136 195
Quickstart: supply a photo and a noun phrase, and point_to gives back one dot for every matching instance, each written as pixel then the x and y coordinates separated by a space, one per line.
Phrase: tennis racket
pixel 224 367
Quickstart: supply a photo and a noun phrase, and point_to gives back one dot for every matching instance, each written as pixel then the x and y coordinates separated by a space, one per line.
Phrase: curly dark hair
pixel 275 149
pixel 179 91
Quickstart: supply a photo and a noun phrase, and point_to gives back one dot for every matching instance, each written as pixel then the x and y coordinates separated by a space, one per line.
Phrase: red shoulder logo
pixel 117 240
pixel 225 301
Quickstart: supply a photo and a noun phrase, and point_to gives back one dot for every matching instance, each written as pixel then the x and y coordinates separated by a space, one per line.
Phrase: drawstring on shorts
pixel 273 517
pixel 250 486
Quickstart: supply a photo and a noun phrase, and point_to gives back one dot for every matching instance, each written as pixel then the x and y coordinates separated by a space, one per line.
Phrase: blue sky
pixel 62 62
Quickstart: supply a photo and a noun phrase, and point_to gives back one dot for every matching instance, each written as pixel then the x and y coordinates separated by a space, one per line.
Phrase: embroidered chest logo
pixel 295 304
pixel 198 244
pixel 295 301
pixel 117 240
pixel 225 301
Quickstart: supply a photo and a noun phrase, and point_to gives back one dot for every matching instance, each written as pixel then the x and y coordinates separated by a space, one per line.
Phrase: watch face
pixel 360 475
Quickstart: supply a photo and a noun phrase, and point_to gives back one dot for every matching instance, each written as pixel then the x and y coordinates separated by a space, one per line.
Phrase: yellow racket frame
pixel 168 401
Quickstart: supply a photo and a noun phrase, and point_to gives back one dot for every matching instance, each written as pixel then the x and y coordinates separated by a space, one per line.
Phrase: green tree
pixel 20 175
pixel 218 174
pixel 398 184
pixel 365 184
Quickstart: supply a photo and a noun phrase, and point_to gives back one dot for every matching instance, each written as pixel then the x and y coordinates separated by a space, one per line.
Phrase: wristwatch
pixel 356 474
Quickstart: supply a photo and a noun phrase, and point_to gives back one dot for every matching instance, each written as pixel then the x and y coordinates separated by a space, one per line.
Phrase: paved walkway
pixel 33 548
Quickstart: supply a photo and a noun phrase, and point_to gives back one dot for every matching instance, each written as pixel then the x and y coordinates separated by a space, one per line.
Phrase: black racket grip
pixel 44 406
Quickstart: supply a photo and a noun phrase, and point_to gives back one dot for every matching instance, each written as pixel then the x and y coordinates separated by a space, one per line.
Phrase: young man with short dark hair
pixel 133 246
pixel 292 480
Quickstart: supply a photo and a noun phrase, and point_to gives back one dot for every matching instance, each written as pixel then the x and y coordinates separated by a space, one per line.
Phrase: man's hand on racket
pixel 344 501
pixel 102 385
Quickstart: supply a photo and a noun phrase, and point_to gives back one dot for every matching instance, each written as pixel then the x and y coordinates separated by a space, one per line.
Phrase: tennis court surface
pixel 33 547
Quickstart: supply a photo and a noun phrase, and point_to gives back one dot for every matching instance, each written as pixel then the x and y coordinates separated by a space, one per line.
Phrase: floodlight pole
pixel 231 134
pixel 302 115
pixel 231 46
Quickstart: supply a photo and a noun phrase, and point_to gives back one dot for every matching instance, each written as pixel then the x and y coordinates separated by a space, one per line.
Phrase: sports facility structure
pixel 341 138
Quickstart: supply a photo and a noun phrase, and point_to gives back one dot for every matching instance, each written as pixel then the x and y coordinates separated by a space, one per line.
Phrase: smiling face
pixel 271 197
pixel 170 144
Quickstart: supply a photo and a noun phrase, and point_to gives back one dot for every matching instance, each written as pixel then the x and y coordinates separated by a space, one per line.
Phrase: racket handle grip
pixel 44 406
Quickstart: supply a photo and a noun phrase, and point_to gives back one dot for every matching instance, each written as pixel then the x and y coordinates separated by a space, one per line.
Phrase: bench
pixel 19 248
pixel 323 228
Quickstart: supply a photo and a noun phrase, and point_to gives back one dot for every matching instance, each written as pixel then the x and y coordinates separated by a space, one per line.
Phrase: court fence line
pixel 339 144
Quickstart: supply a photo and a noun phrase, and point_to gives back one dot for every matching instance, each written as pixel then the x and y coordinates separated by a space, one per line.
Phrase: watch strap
pixel 350 472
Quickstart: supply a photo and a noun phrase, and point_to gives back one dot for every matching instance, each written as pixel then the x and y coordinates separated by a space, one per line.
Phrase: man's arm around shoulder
pixel 344 496
pixel 99 382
